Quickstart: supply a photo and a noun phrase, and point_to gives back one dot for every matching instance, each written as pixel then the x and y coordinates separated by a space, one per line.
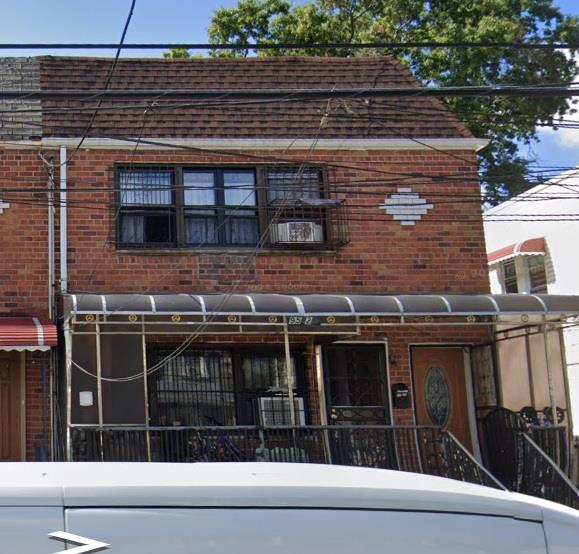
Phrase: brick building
pixel 211 243
pixel 26 334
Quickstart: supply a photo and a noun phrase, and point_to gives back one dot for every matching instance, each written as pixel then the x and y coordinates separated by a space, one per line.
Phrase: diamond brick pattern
pixel 406 206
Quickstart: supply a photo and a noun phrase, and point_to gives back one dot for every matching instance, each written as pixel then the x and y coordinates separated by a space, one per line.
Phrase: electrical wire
pixel 107 83
pixel 263 238
pixel 524 91
pixel 395 45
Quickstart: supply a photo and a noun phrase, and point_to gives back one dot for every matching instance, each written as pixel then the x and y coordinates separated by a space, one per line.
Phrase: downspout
pixel 63 288
pixel 51 269
pixel 550 384
pixel 63 222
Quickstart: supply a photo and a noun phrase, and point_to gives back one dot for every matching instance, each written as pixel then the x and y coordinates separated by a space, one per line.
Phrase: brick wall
pixel 37 393
pixel 444 252
pixel 24 268
pixel 23 235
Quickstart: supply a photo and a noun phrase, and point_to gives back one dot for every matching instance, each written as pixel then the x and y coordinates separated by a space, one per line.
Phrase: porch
pixel 401 382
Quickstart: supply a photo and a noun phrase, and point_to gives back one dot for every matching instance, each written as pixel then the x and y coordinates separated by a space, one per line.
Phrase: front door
pixel 356 384
pixel 10 422
pixel 440 394
pixel 357 402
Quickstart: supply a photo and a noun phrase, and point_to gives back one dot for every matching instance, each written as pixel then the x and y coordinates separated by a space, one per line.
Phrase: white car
pixel 270 508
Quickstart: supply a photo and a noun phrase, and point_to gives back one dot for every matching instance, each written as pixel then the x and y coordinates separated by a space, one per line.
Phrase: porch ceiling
pixel 487 307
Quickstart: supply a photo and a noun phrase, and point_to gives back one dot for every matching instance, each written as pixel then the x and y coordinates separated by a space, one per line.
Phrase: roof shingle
pixel 286 118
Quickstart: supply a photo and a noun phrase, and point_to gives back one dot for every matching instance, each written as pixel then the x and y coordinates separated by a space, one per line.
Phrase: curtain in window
pixel 132 229
pixel 200 230
pixel 140 187
pixel 242 230
pixel 241 224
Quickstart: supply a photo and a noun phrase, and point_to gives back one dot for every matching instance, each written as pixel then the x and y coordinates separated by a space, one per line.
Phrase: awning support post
pixel 289 372
pixel 99 384
pixel 146 389
pixel 549 374
pixel 68 369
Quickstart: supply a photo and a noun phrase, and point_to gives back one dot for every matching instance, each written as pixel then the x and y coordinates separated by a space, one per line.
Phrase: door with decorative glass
pixel 440 393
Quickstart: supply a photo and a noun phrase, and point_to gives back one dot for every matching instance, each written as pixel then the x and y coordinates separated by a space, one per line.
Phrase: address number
pixel 302 320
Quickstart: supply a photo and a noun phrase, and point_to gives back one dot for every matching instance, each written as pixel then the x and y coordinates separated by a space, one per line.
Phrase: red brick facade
pixel 444 253
pixel 24 277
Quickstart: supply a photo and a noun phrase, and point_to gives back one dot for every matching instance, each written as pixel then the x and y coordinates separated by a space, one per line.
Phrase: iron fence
pixel 574 473
pixel 542 477
pixel 416 449
pixel 529 459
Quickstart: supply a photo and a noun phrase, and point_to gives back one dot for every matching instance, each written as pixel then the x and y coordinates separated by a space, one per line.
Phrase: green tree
pixel 506 121
pixel 177 53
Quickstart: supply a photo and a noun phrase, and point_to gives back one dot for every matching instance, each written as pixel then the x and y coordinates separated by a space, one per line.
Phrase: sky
pixel 182 21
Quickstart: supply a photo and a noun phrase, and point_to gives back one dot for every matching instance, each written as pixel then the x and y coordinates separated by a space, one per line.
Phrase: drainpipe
pixel 549 373
pixel 51 281
pixel 63 222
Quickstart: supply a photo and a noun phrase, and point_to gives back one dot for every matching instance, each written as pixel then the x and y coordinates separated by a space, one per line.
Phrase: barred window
pixel 224 387
pixel 197 207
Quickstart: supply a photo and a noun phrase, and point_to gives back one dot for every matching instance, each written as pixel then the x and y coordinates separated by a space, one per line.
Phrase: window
pixel 524 274
pixel 193 388
pixel 206 387
pixel 510 277
pixel 220 207
pixel 147 207
pixel 190 207
pixel 537 274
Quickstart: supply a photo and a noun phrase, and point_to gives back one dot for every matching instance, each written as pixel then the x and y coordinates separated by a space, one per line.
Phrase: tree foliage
pixel 176 53
pixel 506 121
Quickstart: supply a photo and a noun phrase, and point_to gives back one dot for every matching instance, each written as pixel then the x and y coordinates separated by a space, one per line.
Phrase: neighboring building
pixel 26 334
pixel 531 240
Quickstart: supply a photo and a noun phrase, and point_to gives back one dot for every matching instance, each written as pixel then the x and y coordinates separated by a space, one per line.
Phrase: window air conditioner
pixel 298 232
pixel 275 410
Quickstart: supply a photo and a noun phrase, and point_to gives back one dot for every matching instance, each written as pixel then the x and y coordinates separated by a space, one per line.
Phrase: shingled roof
pixel 352 118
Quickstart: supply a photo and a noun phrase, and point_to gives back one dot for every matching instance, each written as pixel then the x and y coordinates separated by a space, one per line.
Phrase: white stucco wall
pixel 559 196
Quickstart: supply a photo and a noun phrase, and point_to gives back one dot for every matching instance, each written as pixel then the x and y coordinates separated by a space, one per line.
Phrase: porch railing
pixel 529 459
pixel 575 461
pixel 411 448
pixel 542 477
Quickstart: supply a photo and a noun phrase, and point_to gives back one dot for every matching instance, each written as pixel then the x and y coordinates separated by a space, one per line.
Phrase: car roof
pixel 249 485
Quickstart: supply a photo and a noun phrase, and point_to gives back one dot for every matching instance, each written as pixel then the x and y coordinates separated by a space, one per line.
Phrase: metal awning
pixel 324 305
pixel 26 333
pixel 529 247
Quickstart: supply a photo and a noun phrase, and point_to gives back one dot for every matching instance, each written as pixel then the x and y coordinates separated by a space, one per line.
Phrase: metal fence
pixel 426 450
pixel 542 477
pixel 529 459
pixel 574 472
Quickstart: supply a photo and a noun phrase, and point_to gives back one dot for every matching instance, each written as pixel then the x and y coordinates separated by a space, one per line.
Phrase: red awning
pixel 26 333
pixel 529 247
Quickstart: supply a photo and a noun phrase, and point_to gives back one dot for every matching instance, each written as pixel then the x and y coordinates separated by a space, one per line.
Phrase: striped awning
pixel 323 304
pixel 26 333
pixel 529 247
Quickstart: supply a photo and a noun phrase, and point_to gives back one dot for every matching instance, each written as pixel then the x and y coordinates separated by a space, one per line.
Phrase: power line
pixel 396 45
pixel 108 81
pixel 558 90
